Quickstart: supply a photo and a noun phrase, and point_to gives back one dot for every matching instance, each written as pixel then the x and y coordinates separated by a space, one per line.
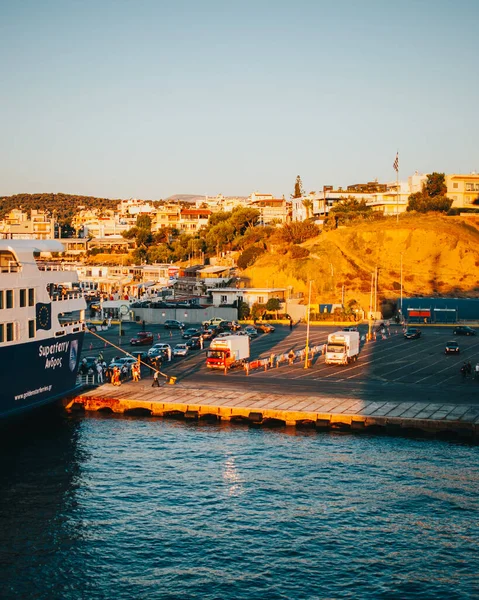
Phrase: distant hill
pixel 184 198
pixel 440 257
pixel 63 205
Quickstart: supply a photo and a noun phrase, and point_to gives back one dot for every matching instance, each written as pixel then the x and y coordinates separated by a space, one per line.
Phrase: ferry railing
pixel 58 297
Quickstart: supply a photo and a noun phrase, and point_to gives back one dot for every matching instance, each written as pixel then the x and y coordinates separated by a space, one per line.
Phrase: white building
pixel 224 296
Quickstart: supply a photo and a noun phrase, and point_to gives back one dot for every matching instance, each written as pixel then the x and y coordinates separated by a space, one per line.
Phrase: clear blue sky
pixel 148 98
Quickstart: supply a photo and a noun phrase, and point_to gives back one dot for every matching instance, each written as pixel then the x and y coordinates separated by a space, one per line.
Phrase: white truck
pixel 227 352
pixel 342 347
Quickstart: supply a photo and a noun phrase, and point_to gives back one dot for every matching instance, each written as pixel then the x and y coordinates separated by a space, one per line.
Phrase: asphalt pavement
pixel 390 367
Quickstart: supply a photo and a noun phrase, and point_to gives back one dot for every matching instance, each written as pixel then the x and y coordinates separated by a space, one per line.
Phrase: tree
pixel 257 311
pixel 298 232
pixel 347 210
pixel 308 205
pixel 220 236
pixel 435 185
pixel 143 222
pixel 243 218
pixel 243 310
pixel 273 305
pixel 432 197
pixel 249 256
pixel 298 188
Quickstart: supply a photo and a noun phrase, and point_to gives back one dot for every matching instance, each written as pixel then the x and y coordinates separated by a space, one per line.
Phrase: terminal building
pixel 440 310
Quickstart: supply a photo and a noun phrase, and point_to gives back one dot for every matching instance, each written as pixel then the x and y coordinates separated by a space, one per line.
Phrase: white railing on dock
pixel 86 380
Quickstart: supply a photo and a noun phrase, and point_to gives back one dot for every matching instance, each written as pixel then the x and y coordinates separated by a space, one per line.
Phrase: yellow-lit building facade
pixel 462 189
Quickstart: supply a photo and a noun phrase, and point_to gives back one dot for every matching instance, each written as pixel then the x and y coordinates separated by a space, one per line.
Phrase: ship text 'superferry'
pixel 42 314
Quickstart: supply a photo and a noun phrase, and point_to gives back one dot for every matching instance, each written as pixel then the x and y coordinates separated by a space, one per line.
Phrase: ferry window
pixel 9 332
pixel 31 297
pixel 8 263
pixel 2 332
pixel 23 298
pixel 1 299
pixel 31 328
pixel 9 298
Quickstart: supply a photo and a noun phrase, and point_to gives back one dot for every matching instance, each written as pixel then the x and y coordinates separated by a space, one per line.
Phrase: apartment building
pixel 38 225
pixel 463 190
pixel 193 219
pixel 271 210
pixel 167 215
pixel 134 207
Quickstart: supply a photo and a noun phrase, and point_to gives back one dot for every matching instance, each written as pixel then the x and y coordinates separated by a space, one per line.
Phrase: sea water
pixel 130 508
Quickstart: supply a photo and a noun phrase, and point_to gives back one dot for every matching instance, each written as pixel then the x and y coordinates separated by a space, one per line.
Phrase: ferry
pixel 42 324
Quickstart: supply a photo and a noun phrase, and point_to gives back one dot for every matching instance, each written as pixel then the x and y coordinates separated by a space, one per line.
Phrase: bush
pixel 299 252
pixel 249 256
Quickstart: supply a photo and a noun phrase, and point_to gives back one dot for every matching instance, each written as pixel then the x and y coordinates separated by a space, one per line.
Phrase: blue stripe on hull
pixel 38 372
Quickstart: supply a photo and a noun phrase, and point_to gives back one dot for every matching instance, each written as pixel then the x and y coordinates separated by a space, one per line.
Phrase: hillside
pixel 440 256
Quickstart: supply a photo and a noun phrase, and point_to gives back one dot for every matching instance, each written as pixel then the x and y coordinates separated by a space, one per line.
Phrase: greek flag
pixel 396 163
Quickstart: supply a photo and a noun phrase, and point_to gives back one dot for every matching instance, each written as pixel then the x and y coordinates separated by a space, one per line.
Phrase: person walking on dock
pixel 99 372
pixel 155 383
pixel 135 372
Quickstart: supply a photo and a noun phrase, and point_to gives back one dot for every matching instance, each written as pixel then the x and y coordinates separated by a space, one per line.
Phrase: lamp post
pixel 371 308
pixel 401 284
pixel 306 356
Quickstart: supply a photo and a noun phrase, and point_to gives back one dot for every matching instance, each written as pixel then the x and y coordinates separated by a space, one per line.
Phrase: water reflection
pixel 39 471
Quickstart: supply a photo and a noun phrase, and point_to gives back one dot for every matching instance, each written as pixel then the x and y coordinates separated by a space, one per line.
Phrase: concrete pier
pixel 266 409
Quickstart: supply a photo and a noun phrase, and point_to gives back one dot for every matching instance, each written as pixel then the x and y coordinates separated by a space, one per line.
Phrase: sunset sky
pixel 151 98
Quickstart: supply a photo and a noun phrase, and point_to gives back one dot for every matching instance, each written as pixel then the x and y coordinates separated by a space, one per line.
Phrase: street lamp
pixel 401 284
pixel 306 356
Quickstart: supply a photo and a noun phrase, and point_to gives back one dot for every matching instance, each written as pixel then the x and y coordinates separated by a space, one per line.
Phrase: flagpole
pixel 397 191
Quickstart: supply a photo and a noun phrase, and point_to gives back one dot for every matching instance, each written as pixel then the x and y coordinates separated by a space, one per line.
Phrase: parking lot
pixel 390 364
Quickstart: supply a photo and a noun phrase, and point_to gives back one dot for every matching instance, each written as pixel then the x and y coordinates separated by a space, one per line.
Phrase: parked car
pixel 172 324
pixel 160 346
pixel 464 330
pixel 264 327
pixel 208 334
pixel 194 342
pixel 125 360
pixel 143 356
pixel 213 321
pixel 412 333
pixel 157 353
pixel 452 347
pixel 229 325
pixel 142 338
pixel 180 350
pixel 89 361
pixel 190 332
pixel 251 331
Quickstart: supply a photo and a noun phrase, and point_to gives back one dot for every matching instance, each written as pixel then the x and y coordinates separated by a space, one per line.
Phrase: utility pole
pixel 306 356
pixel 401 285
pixel 371 307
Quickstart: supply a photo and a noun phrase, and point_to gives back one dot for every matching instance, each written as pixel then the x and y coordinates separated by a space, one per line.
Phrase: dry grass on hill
pixel 440 256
